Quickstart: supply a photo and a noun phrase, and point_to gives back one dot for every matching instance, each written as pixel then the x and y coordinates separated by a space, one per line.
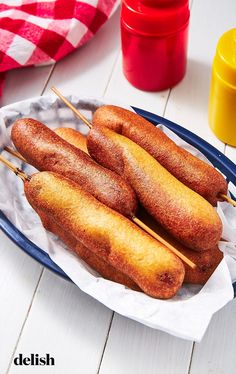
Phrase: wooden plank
pixel 188 102
pixel 188 105
pixel 67 324
pixel 19 275
pixel 231 153
pixel 21 84
pixel 121 90
pixel 136 349
pixel 216 352
pixel 87 71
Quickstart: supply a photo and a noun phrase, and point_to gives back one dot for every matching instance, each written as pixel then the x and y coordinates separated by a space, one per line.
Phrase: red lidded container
pixel 154 36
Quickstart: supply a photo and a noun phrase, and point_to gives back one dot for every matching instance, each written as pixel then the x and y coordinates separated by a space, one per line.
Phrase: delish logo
pixel 34 360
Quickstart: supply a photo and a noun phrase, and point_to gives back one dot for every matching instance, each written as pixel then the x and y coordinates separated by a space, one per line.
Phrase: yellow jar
pixel 222 102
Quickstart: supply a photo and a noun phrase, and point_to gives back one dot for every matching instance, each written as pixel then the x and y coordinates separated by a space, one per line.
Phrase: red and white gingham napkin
pixel 36 32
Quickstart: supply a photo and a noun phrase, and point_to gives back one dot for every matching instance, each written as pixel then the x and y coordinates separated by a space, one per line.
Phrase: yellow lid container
pixel 222 102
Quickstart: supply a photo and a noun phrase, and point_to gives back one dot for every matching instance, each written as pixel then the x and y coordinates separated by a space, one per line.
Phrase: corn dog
pixel 73 137
pixel 206 262
pixel 153 267
pixel 45 150
pixel 181 211
pixel 193 172
pixel 106 270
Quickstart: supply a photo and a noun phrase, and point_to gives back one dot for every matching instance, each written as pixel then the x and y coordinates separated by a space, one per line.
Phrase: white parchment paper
pixel 188 314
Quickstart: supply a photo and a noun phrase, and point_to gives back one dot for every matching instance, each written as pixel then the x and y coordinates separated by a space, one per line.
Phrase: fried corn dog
pixel 190 170
pixel 45 150
pixel 106 270
pixel 154 268
pixel 73 137
pixel 206 262
pixel 185 214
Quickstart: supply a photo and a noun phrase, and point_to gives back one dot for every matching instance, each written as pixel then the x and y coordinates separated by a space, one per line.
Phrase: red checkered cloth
pixel 36 32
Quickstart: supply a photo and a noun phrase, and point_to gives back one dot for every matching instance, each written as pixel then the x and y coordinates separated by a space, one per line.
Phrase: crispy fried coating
pixel 73 137
pixel 106 270
pixel 190 170
pixel 154 268
pixel 45 150
pixel 185 214
pixel 206 262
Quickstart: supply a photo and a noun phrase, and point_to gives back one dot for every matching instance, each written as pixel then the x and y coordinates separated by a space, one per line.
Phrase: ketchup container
pixel 154 36
pixel 222 101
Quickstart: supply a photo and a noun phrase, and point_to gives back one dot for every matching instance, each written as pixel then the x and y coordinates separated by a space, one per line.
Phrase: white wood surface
pixel 19 85
pixel 135 349
pixel 188 102
pixel 88 70
pixel 20 274
pixel 216 352
pixel 62 314
pixel 42 313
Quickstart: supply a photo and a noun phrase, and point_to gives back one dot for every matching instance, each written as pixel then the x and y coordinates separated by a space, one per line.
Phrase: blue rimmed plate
pixel 219 160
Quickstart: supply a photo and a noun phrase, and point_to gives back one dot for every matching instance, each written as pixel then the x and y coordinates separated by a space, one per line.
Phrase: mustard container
pixel 222 101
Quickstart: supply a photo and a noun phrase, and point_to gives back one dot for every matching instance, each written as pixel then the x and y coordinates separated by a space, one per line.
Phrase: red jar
pixel 154 36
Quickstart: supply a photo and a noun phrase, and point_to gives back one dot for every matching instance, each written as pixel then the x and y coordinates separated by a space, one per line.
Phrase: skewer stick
pixel 14 153
pixel 15 170
pixel 228 199
pixel 77 113
pixel 135 219
pixel 163 241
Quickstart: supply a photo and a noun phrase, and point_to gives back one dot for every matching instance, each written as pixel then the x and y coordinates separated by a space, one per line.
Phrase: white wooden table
pixel 40 312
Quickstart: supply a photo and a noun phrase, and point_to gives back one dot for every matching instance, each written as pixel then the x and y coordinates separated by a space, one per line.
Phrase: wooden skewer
pixel 16 170
pixel 163 241
pixel 14 153
pixel 228 199
pixel 135 219
pixel 78 114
